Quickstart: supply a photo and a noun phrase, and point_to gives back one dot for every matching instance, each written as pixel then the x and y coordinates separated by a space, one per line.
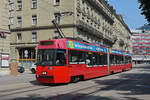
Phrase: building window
pixel 34 36
pixel 11 7
pixel 34 4
pixel 11 21
pixel 34 19
pixel 56 2
pixel 19 37
pixel 57 17
pixel 56 33
pixel 19 4
pixel 19 21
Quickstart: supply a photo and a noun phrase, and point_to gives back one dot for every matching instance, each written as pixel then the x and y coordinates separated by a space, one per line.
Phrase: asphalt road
pixel 129 85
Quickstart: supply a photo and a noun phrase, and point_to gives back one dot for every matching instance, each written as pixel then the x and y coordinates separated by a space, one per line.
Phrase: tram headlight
pixel 50 68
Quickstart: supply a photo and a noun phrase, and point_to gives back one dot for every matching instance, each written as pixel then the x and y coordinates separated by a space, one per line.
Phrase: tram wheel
pixel 75 79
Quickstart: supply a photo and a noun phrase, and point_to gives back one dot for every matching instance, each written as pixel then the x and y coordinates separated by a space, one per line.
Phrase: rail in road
pixel 130 85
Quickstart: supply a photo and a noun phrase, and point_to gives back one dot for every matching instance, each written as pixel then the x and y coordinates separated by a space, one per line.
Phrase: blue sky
pixel 129 10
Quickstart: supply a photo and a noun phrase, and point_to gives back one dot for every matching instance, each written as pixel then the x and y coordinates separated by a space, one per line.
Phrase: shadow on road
pixel 34 82
pixel 30 98
pixel 68 97
pixel 130 83
pixel 137 83
pixel 73 97
pixel 141 66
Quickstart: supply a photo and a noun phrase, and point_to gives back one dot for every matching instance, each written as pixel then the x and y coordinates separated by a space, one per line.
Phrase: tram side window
pixel 104 59
pixel 73 56
pixel 81 57
pixel 117 59
pixel 76 56
pixel 130 59
pixel 121 61
pixel 61 57
pixel 89 58
pixel 126 59
pixel 112 59
pixel 98 59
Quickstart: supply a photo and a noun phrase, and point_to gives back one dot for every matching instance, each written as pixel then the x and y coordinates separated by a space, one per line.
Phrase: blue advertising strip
pixel 127 54
pixel 81 46
pixel 112 51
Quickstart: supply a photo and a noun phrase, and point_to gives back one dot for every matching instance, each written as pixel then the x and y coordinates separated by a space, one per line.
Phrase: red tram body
pixel 65 60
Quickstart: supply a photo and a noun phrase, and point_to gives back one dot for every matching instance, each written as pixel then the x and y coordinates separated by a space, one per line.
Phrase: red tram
pixel 66 60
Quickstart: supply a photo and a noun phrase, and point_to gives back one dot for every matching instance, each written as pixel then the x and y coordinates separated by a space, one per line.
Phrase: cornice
pixel 40 27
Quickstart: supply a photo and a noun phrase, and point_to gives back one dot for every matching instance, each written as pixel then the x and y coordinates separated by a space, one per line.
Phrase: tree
pixel 145 8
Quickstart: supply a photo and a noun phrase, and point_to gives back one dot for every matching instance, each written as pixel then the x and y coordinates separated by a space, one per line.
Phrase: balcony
pixel 121 42
pixel 114 38
pixel 89 29
pixel 102 10
pixel 79 9
pixel 109 39
pixel 128 37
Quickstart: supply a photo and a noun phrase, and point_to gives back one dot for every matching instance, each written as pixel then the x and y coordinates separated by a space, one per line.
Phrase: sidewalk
pixel 3 73
pixel 7 72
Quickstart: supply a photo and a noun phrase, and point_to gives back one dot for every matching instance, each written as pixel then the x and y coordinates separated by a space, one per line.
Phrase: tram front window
pixel 45 57
pixel 51 57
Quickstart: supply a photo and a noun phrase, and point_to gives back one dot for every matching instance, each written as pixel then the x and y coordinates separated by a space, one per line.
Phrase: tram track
pixel 33 89
pixel 21 89
pixel 80 94
pixel 121 86
pixel 73 91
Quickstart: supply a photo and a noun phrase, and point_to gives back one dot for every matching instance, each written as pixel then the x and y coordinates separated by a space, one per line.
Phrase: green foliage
pixel 145 8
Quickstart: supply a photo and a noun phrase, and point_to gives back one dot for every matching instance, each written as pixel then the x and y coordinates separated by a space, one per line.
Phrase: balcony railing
pixel 121 42
pixel 101 9
pixel 89 29
pixel 111 39
pixel 85 27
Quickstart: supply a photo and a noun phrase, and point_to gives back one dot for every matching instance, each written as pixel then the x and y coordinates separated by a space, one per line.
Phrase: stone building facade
pixel 123 34
pixel 91 20
pixel 4 35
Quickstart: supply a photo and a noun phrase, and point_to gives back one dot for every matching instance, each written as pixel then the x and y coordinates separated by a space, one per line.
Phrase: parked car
pixel 20 69
pixel 33 68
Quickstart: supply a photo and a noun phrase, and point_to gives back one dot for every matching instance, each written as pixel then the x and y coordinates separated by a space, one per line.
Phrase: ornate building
pixel 4 35
pixel 123 34
pixel 91 20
